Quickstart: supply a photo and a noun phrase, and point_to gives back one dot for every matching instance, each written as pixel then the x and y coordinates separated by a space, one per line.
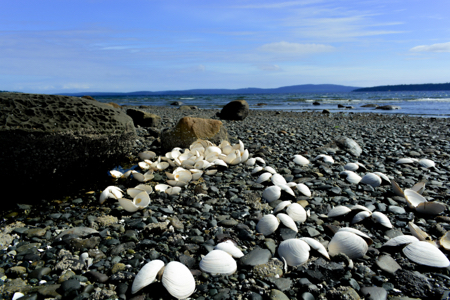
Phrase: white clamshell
pixel 110 192
pixel 368 240
pixel 338 211
pixel 263 177
pixel 351 176
pixel 371 179
pixel 267 224
pixel 361 216
pixel 383 176
pixel 257 169
pixel 405 161
pixel 348 243
pixel 218 262
pixel 426 254
pixel 301 160
pixel 296 212
pixel 304 189
pixel 413 199
pixel 270 169
pixel 251 161
pixel 282 205
pixel 419 187
pixel 287 221
pixel 230 248
pixel 325 158
pixel 287 189
pixel 316 245
pixel 161 187
pixel 294 251
pixel 278 179
pixel 147 155
pixel 417 232
pixel 430 208
pixel 178 280
pixel 144 187
pixel 401 240
pixel 382 219
pixel 146 275
pixel 351 166
pixel 272 193
pixel 427 163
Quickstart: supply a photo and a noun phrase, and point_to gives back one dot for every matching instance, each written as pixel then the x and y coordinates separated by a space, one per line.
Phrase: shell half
pixel 294 251
pixel 178 280
pixel 218 262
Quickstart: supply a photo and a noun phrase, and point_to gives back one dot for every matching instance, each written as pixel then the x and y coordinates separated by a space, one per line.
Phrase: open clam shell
pixel 368 240
pixel 426 254
pixel 413 199
pixel 294 251
pixel 348 243
pixel 146 275
pixel 278 179
pixel 230 248
pixel 361 216
pixel 338 211
pixel 270 170
pixel 316 245
pixel 218 262
pixel 267 225
pixel 287 221
pixel 430 208
pixel 301 160
pixel 419 187
pixel 178 280
pixel 296 212
pixel 264 177
pixel 325 158
pixel 401 240
pixel 282 205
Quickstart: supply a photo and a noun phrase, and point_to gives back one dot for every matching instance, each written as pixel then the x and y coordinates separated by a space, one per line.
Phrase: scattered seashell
pixel 397 189
pixel 278 179
pixel 147 155
pixel 351 166
pixel 267 225
pixel 445 241
pixel 426 254
pixel 316 245
pixel 287 189
pixel 260 160
pixel 427 163
pixel 368 240
pixel 417 232
pixel 287 221
pixel 146 275
pixel 351 176
pixel 161 187
pixel 294 251
pixel 419 187
pixel 413 199
pixel 296 212
pixel 115 174
pixel 178 280
pixel 301 160
pixel 304 189
pixel 371 179
pixel 338 211
pixel 230 248
pixel 382 219
pixel 110 192
pixel 401 240
pixel 257 169
pixel 325 158
pixel 348 243
pixel 270 169
pixel 405 161
pixel 263 177
pixel 218 262
pixel 272 193
pixel 250 161
pixel 361 216
pixel 430 208
pixel 282 205
pixel 383 177
pixel 140 201
pixel 210 172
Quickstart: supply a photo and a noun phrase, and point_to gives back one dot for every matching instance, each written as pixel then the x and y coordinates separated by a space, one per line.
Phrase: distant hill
pixel 305 88
pixel 407 87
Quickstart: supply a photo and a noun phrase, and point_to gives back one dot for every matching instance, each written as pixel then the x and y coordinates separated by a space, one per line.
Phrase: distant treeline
pixel 407 87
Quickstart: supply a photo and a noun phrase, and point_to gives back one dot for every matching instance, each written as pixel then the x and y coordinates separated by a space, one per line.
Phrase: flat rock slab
pixel 257 256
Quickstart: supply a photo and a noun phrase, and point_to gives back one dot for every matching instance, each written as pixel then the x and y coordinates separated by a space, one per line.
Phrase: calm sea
pixel 423 104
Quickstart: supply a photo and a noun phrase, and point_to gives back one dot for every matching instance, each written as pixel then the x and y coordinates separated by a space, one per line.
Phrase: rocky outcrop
pixel 49 142
pixel 190 129
pixel 144 119
pixel 235 110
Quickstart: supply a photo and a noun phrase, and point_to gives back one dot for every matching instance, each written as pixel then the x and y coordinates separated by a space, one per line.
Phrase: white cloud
pixel 441 47
pixel 280 4
pixel 295 48
pixel 269 67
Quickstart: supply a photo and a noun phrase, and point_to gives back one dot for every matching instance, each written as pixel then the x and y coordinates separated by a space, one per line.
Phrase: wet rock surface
pixel 41 242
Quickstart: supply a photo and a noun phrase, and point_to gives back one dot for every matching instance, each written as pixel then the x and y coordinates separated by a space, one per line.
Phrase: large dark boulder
pixel 50 144
pixel 189 129
pixel 235 110
pixel 144 119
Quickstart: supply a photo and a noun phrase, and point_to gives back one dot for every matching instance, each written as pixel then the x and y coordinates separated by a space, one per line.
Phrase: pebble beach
pixel 40 254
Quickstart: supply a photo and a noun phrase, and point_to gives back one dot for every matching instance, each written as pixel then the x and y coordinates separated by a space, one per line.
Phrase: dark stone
pixel 176 103
pixel 48 141
pixel 316 103
pixel 416 285
pixel 235 110
pixel 69 288
pixel 144 119
pixel 349 146
pixel 388 107
pixel 257 256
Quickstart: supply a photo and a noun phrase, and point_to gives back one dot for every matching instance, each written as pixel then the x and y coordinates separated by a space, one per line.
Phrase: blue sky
pixel 123 46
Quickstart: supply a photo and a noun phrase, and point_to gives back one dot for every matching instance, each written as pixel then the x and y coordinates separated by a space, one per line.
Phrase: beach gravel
pixel 228 205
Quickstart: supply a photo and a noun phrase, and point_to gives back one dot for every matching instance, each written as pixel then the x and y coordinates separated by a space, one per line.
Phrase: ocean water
pixel 420 104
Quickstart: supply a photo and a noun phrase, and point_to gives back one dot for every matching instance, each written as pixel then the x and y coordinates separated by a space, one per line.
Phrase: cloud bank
pixel 441 47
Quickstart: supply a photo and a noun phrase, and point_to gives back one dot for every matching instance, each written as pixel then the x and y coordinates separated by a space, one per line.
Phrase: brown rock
pixel 144 119
pixel 189 129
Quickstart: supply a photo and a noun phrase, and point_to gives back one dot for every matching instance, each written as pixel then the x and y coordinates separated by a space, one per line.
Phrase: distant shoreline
pixel 428 87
